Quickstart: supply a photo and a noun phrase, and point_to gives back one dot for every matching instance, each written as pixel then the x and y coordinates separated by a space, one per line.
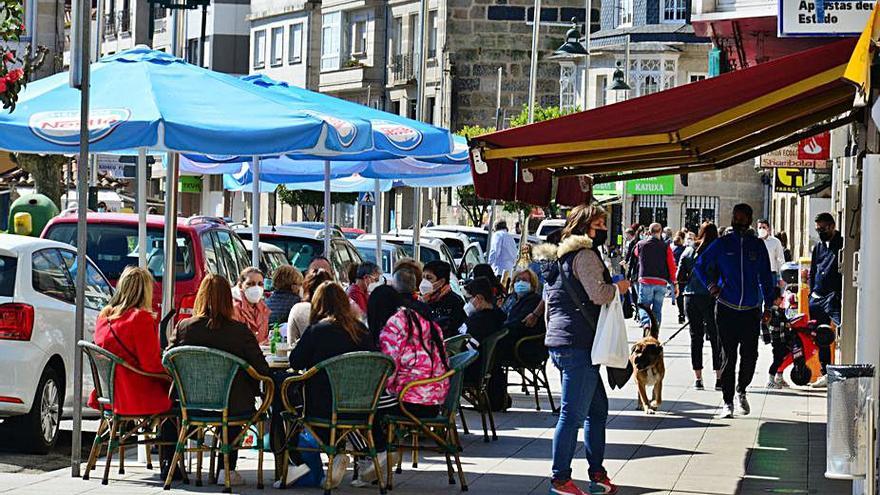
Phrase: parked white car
pixel 547 226
pixel 37 345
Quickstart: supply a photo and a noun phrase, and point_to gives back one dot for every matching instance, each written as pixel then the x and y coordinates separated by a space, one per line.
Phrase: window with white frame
pixel 396 36
pixel 624 13
pixel 357 32
pixel 259 49
pixel 696 76
pixel 331 35
pixel 675 10
pixel 567 87
pixel 432 34
pixel 277 51
pixel 295 43
pixel 649 75
pixel 413 41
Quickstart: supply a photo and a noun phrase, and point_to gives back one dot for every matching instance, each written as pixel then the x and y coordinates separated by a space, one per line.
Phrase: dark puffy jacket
pixel 448 312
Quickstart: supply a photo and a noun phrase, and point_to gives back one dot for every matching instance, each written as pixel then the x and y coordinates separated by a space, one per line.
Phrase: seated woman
pixel 286 287
pixel 249 303
pixel 365 278
pixel 335 330
pixel 484 319
pixel 524 308
pixel 447 307
pixel 128 328
pixel 484 270
pixel 214 325
pixel 298 319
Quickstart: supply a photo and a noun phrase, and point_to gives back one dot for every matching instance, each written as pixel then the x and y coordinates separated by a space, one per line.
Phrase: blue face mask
pixel 522 287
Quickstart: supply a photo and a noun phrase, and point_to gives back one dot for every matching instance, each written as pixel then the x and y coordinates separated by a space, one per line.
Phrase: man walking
pixel 736 270
pixel 656 271
pixel 774 249
pixel 503 253
pixel 825 282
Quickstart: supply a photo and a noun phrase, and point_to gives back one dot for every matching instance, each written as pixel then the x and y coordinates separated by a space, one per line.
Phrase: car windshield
pixel 456 247
pixel 549 229
pixel 274 261
pixel 369 254
pixel 299 251
pixel 114 246
pixel 7 275
pixel 425 254
pixel 351 235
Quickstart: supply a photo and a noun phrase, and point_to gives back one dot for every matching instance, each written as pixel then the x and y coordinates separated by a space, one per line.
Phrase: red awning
pixel 706 125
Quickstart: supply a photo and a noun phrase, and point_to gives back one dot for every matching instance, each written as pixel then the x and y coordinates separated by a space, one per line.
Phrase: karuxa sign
pixel 823 17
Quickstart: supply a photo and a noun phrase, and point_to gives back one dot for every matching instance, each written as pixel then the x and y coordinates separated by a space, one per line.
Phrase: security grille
pixel 699 209
pixel 650 208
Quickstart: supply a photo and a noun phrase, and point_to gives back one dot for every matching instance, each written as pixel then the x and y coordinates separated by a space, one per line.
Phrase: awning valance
pixel 706 125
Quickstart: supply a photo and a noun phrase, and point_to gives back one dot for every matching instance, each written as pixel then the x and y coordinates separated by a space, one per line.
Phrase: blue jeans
pixel 651 296
pixel 584 402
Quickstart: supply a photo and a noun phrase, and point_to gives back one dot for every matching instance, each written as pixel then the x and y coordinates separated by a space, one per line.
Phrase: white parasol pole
pixel 142 207
pixel 417 224
pixel 172 169
pixel 255 215
pixel 377 222
pixel 327 209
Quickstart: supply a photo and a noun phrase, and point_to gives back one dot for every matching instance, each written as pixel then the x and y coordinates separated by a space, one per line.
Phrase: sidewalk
pixel 779 448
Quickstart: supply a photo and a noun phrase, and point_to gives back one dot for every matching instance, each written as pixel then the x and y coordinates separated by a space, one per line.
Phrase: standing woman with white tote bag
pixel 577 286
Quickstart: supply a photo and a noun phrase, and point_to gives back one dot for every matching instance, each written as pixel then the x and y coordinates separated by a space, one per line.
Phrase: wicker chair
pixel 119 431
pixel 442 428
pixel 357 379
pixel 456 344
pixel 477 393
pixel 203 380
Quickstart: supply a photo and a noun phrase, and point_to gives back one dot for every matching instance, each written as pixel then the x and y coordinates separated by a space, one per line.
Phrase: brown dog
pixel 648 368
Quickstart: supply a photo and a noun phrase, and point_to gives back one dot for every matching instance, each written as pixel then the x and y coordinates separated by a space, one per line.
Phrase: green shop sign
pixel 656 185
pixel 607 189
pixel 189 184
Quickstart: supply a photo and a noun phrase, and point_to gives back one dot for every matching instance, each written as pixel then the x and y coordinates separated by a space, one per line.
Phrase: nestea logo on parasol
pixel 63 127
pixel 401 136
pixel 345 130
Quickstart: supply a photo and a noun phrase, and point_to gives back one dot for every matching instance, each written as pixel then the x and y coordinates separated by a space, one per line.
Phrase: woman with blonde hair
pixel 577 285
pixel 287 284
pixel 299 317
pixel 127 327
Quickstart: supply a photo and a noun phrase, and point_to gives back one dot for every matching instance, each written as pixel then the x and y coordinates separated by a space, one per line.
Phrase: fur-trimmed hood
pixel 552 252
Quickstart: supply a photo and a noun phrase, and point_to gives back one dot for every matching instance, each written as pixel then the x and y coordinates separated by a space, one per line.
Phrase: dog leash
pixel 686 324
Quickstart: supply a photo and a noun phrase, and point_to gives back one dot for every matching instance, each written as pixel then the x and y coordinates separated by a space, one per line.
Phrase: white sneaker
pixel 235 478
pixel 744 404
pixel 368 475
pixel 780 380
pixel 293 474
pixel 822 382
pixel 340 465
pixel 726 411
pixel 772 384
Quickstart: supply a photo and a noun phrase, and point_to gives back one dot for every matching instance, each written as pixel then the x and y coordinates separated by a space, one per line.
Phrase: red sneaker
pixel 565 488
pixel 601 484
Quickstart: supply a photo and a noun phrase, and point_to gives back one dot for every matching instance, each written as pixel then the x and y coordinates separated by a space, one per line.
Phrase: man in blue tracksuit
pixel 736 270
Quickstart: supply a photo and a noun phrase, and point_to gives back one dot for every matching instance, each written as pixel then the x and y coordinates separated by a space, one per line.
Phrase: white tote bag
pixel 610 347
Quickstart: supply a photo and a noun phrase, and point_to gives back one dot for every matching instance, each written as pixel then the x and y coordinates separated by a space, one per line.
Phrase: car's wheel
pixel 37 431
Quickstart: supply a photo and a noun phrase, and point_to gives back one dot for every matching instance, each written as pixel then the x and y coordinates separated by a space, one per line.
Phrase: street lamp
pixel 618 80
pixel 572 46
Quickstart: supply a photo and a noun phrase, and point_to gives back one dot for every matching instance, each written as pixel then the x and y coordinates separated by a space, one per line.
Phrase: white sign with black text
pixel 823 17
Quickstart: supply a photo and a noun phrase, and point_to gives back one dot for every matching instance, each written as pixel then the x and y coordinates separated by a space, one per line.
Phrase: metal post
pixel 203 37
pixel 533 67
pixel 168 275
pixel 499 115
pixel 423 60
pixel 83 16
pixel 255 214
pixel 626 63
pixel 377 221
pixel 327 208
pixel 588 21
pixel 491 226
pixel 417 222
pixel 142 206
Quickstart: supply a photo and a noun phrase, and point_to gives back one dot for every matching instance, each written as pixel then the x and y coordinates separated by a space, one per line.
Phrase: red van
pixel 204 245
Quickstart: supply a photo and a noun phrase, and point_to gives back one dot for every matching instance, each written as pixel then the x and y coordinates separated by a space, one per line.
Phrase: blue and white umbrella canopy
pixel 147 99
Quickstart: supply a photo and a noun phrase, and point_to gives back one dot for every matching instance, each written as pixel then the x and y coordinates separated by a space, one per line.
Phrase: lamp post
pixel 572 48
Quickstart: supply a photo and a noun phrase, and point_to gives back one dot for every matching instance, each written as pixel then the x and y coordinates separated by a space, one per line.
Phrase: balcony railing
pixel 117 24
pixel 123 21
pixel 110 26
pixel 402 70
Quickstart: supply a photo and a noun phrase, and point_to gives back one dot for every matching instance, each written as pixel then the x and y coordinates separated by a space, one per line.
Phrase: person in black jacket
pixel 524 309
pixel 825 282
pixel 447 307
pixel 485 319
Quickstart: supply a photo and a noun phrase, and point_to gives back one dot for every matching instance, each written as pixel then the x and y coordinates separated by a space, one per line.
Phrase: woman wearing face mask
pixel 447 307
pixel 524 309
pixel 577 285
pixel 366 278
pixel 485 318
pixel 678 247
pixel 249 304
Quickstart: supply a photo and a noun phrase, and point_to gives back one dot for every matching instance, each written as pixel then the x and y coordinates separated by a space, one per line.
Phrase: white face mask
pixel 426 287
pixel 689 242
pixel 763 233
pixel 469 308
pixel 372 286
pixel 253 294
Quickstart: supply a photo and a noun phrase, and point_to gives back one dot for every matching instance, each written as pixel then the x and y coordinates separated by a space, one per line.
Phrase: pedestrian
pixel 503 253
pixel 367 277
pixel 700 306
pixel 783 238
pixel 779 348
pixel 736 270
pixel 678 248
pixel 668 236
pixel 632 266
pixel 656 271
pixel 775 250
pixel 249 305
pixel 215 325
pixel 321 263
pixel 577 285
pixel 825 282
pixel 298 319
pixel 447 307
pixel 286 291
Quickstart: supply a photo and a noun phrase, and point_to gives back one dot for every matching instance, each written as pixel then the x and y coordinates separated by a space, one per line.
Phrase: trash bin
pixel 850 419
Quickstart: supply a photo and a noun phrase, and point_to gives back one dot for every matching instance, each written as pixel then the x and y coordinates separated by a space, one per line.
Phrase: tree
pixel 15 69
pixel 46 170
pixel 474 206
pixel 311 202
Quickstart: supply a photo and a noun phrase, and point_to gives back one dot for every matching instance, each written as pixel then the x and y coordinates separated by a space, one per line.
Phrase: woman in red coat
pixel 128 329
